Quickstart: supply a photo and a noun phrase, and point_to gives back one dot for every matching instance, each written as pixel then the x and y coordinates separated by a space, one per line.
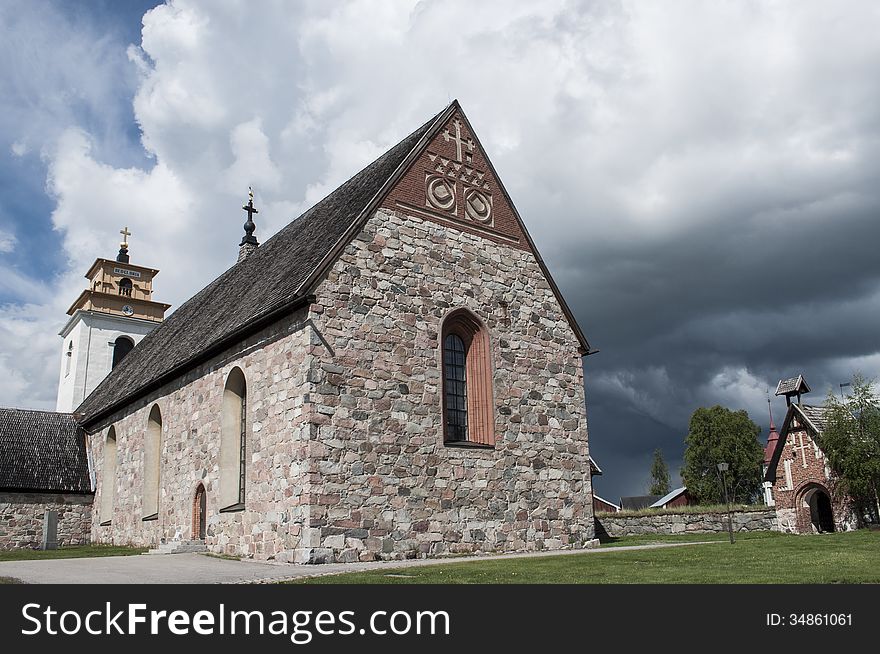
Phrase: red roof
pixel 772 439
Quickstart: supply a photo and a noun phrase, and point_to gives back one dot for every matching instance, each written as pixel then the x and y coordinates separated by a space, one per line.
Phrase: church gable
pixel 439 173
pixel 803 424
pixel 452 182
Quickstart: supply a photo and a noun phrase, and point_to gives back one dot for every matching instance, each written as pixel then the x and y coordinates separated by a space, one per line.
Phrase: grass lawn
pixel 756 558
pixel 651 539
pixel 70 552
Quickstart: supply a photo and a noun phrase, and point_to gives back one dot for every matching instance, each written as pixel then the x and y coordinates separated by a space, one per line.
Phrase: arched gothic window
pixel 152 463
pixel 468 406
pixel 108 478
pixel 121 347
pixel 233 442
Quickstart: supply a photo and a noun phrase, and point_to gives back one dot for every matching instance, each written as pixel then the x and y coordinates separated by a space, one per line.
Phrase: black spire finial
pixel 122 257
pixel 249 226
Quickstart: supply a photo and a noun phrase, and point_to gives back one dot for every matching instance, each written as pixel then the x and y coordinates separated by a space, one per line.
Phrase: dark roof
pixel 792 385
pixel 275 279
pixel 637 502
pixel 42 451
pixel 271 278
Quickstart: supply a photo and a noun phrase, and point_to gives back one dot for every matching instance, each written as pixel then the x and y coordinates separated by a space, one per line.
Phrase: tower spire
pixel 773 436
pixel 249 241
pixel 122 257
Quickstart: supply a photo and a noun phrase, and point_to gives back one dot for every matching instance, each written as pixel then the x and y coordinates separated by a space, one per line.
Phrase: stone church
pixel 797 478
pixel 393 374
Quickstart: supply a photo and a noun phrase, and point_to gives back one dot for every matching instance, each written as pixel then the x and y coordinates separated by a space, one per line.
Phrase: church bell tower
pixel 106 321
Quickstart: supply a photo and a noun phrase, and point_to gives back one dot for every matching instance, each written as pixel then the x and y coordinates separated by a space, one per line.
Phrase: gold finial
pixel 125 234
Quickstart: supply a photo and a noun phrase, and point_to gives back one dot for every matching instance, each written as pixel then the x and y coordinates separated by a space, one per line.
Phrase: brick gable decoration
pixel 453 183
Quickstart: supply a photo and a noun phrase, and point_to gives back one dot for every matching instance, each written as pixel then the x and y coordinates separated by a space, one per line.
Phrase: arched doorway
pixel 818 502
pixel 200 513
pixel 821 512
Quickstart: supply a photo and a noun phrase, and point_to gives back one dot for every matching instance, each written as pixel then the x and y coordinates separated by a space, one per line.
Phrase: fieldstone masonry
pixel 390 486
pixel 345 453
pixel 21 519
pixel 274 364
pixel 685 523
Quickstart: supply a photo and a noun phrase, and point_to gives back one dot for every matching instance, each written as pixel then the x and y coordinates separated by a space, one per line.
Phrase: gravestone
pixel 50 530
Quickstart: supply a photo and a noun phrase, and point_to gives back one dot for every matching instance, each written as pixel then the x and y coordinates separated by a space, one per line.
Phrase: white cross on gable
pixel 469 142
pixel 802 447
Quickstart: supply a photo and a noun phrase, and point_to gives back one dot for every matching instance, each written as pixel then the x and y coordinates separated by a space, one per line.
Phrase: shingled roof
pixel 42 451
pixel 817 415
pixel 792 385
pixel 275 279
pixel 267 282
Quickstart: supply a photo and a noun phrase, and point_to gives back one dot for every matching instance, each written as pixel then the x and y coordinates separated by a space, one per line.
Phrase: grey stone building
pixel 393 374
pixel 43 467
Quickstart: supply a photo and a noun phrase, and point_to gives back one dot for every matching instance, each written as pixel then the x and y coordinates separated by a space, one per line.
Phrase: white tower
pixel 107 320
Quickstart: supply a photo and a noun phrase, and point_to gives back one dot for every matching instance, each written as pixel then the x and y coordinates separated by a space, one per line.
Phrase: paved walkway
pixel 201 569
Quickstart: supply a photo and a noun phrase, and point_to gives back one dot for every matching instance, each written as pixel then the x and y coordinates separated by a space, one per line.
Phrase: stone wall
pixel 278 432
pixel 390 487
pixel 684 523
pixel 346 459
pixel 21 519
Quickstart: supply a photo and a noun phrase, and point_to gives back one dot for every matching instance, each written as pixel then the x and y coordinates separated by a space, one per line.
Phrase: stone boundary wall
pixel 608 524
pixel 21 519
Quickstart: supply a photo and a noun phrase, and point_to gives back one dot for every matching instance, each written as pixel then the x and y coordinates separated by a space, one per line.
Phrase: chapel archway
pixel 815 510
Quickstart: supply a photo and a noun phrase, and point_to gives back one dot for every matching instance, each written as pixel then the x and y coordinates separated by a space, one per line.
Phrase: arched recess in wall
pixel 121 347
pixel 233 442
pixel 108 478
pixel 152 464
pixel 125 286
pixel 468 404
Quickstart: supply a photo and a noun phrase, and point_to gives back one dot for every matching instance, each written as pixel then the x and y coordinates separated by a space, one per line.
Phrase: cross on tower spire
pixel 249 242
pixel 249 226
pixel 122 257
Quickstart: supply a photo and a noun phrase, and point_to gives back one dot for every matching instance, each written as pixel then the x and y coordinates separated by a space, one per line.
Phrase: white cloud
pixel 54 73
pixel 610 123
pixel 7 241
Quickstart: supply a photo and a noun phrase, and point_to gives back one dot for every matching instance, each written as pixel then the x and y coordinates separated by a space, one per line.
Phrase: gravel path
pixel 201 569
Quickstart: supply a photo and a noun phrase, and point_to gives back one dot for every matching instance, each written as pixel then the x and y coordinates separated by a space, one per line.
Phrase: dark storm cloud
pixel 771 284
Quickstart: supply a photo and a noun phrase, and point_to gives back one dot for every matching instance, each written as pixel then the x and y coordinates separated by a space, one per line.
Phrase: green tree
pixel 659 475
pixel 851 443
pixel 717 435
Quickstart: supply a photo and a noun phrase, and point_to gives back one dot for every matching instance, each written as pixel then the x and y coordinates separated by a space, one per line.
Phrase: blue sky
pixel 26 205
pixel 700 177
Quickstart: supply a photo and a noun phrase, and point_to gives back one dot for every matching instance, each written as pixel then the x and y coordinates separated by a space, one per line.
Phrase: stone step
pixel 180 547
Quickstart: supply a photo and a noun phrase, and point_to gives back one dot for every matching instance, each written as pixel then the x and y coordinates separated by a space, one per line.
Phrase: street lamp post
pixel 722 468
